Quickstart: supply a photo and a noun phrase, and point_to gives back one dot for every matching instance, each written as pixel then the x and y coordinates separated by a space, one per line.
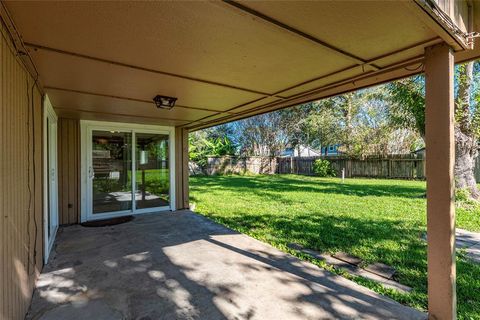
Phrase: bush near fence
pixel 409 166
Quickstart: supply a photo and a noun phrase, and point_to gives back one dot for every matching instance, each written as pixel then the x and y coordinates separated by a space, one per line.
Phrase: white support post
pixel 440 158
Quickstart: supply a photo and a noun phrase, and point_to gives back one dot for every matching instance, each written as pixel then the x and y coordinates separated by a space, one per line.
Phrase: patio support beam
pixel 181 169
pixel 440 158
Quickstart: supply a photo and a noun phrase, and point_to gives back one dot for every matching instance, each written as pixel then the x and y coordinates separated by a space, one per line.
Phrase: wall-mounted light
pixel 164 102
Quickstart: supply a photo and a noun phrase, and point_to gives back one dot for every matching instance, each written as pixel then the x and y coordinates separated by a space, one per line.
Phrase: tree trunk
pixel 465 155
pixel 466 145
pixel 347 114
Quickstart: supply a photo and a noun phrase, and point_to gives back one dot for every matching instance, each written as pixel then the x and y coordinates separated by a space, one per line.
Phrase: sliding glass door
pixel 152 178
pixel 128 172
pixel 111 171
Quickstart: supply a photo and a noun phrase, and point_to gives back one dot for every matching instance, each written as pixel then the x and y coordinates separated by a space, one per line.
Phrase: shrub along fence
pixel 409 166
pixel 393 166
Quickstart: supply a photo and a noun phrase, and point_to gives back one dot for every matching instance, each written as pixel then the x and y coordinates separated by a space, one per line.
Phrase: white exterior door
pixel 51 177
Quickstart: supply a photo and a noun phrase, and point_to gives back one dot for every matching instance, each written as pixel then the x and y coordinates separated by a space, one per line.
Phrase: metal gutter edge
pixel 445 26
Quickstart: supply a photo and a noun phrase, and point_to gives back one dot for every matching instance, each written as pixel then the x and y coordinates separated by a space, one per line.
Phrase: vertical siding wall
pixel 181 169
pixel 21 215
pixel 69 170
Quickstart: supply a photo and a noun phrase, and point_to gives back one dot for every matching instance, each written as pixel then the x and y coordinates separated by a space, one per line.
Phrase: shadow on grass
pixel 262 185
pixel 393 242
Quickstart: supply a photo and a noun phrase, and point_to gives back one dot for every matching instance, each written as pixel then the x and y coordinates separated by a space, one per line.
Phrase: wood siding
pixel 68 170
pixel 21 211
pixel 181 169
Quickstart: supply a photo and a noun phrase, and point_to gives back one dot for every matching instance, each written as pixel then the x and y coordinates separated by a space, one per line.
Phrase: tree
pixel 359 122
pixel 261 135
pixel 407 103
pixel 466 131
pixel 294 124
pixel 408 109
pixel 212 142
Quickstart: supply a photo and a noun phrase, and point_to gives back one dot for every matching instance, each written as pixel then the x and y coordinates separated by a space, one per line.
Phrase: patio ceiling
pixel 222 60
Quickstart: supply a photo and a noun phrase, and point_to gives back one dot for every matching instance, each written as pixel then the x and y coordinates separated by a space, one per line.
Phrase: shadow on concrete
pixel 183 266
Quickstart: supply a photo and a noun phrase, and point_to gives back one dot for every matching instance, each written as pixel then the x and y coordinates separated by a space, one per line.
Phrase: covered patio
pixel 98 99
pixel 181 265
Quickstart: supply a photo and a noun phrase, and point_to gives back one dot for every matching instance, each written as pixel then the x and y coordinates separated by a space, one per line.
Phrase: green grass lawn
pixel 377 220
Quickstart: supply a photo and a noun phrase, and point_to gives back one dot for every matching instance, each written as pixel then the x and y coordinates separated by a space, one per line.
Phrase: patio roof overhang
pixel 228 60
pixel 225 60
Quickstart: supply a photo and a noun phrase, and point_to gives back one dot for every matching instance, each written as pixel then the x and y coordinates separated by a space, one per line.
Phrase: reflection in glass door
pixel 128 171
pixel 152 178
pixel 111 171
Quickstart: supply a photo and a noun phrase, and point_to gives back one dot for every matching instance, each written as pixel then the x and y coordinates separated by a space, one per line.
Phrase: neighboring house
pixel 331 150
pixel 300 151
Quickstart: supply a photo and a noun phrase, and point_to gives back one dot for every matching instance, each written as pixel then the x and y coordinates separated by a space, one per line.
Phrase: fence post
pixel 389 168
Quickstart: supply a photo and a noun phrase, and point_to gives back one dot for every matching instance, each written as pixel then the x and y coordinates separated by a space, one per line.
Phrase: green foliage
pixel 206 143
pixel 407 97
pixel 464 200
pixel 323 168
pixel 359 122
pixel 462 195
pixel 407 103
pixel 262 135
pixel 376 220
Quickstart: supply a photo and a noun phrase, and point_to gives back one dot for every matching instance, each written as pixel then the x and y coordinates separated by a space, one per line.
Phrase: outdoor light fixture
pixel 164 102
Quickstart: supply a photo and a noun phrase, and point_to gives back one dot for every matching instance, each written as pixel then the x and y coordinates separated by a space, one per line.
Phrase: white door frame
pixel 86 128
pixel 50 184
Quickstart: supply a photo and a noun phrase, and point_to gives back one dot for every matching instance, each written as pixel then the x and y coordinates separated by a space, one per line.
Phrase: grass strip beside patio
pixel 376 220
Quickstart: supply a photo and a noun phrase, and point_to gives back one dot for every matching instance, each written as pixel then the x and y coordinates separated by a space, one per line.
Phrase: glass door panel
pixel 111 171
pixel 152 179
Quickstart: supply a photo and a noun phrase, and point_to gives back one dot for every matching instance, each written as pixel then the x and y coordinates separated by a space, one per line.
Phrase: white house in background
pixel 300 151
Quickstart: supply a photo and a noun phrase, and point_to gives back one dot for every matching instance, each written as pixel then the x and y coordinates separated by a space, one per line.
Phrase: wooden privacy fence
pixel 226 165
pixel 403 166
pixel 394 166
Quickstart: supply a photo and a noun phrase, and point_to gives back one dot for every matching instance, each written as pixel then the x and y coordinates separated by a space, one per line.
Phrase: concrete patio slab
pixel 468 241
pixel 183 266
pixel 347 258
pixel 473 253
pixel 381 269
pixel 467 236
